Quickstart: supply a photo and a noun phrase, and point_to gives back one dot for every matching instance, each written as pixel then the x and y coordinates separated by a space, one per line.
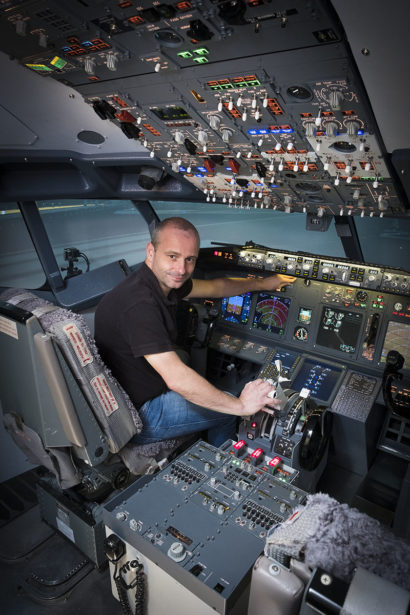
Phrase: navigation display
pixel 271 313
pixel 236 309
pixel 397 338
pixel 339 329
pixel 319 378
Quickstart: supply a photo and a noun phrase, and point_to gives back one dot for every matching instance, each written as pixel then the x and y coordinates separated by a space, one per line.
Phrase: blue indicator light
pixel 228 169
pixel 288 130
pixel 87 44
pixel 273 185
pixel 202 169
pixel 360 132
pixel 258 131
pixel 66 49
pixel 182 169
pixel 198 175
pixel 275 131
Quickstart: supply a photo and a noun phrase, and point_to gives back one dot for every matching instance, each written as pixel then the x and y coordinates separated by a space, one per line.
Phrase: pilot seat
pixel 67 413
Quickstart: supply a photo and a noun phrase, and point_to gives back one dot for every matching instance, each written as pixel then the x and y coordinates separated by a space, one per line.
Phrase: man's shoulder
pixel 131 292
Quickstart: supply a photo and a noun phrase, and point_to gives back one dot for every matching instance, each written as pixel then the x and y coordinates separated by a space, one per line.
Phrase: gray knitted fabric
pixel 339 538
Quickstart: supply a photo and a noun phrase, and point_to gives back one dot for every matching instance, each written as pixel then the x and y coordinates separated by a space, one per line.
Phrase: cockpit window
pixel 19 264
pixel 92 233
pixel 385 241
pixel 273 229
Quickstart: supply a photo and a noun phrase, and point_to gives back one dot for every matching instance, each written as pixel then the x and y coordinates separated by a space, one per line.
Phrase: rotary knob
pixel 331 129
pixel 335 99
pixel 202 137
pixel 352 127
pixel 310 129
pixel 214 122
pixel 177 551
pixel 226 135
pixel 179 137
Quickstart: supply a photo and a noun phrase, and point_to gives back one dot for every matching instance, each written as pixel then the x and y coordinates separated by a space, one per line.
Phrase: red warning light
pixel 274 462
pixel 239 448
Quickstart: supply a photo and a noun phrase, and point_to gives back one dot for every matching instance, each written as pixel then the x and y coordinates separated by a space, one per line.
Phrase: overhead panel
pixel 257 104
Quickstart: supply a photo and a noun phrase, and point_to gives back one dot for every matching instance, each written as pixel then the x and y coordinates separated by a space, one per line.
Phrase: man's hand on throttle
pixel 254 397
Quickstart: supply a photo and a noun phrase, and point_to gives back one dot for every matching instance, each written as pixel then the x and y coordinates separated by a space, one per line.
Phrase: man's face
pixel 173 261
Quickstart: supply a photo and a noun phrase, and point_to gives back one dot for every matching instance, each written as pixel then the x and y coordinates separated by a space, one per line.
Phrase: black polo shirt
pixel 134 319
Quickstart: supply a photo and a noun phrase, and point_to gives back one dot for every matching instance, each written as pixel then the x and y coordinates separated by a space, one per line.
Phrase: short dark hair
pixel 180 223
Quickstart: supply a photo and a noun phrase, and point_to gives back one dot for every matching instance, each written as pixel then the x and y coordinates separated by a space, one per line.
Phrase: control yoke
pixel 394 363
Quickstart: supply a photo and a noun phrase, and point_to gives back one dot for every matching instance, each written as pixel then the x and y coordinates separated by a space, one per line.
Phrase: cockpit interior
pixel 279 128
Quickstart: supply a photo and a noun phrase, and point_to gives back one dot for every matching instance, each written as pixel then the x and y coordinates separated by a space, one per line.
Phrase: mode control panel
pixel 311 267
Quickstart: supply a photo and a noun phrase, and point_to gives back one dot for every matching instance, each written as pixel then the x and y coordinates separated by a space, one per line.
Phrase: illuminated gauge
pixel 301 334
pixel 398 307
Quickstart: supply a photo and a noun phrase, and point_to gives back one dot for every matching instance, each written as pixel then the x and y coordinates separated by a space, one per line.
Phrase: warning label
pixel 104 394
pixel 78 343
pixel 9 327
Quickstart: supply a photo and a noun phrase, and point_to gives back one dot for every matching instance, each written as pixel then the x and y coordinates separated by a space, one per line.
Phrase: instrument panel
pixel 338 316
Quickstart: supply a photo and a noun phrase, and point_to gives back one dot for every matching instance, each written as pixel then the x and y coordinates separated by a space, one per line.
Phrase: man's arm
pixel 185 381
pixel 228 287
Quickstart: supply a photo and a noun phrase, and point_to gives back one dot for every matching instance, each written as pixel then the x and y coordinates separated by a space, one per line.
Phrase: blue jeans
pixel 170 415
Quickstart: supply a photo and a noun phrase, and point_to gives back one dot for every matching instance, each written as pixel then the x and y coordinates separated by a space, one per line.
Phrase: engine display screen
pixel 271 313
pixel 397 338
pixel 339 329
pixel 236 309
pixel 320 378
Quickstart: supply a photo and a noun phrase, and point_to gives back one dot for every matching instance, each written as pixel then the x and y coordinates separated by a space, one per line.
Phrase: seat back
pixel 60 401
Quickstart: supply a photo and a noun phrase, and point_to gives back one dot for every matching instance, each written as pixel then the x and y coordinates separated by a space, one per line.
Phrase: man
pixel 135 330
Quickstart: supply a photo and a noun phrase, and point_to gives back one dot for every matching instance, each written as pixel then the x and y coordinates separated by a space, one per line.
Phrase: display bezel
pixel 286 301
pixel 404 328
pixel 325 343
pixel 340 370
pixel 227 317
